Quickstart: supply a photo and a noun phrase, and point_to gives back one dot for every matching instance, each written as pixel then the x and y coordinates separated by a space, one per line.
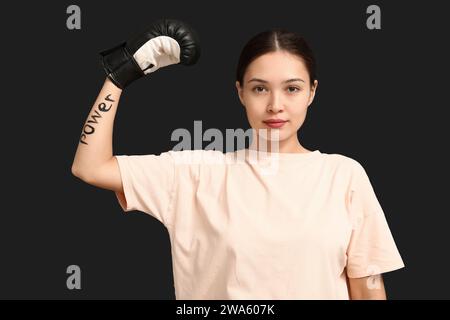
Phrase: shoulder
pixel 349 168
pixel 343 162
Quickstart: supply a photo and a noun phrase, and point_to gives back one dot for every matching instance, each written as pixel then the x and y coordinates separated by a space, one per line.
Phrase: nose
pixel 275 104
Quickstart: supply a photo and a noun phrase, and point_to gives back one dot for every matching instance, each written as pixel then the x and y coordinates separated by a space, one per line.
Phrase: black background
pixel 381 100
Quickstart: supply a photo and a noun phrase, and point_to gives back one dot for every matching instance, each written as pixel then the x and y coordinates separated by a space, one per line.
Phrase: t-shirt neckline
pixel 284 156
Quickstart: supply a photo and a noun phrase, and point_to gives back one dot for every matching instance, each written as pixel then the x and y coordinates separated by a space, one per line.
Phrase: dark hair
pixel 275 40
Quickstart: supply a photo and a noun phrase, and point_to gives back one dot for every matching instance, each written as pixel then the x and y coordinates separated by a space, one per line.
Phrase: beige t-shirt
pixel 289 227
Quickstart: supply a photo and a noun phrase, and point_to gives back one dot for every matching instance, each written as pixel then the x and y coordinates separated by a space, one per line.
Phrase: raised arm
pixel 165 42
pixel 94 162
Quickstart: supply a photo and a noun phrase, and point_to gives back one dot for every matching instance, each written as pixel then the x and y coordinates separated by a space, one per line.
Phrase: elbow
pixel 79 173
pixel 84 175
pixel 76 171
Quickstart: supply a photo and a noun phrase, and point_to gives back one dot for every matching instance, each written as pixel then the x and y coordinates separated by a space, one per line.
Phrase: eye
pixel 295 89
pixel 256 89
pixel 291 89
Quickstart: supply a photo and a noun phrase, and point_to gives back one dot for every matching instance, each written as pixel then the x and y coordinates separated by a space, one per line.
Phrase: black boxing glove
pixel 166 42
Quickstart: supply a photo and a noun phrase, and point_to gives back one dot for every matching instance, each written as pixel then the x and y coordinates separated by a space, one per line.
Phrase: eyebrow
pixel 265 81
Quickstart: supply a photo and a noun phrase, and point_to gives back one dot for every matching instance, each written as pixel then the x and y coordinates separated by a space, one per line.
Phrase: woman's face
pixel 276 85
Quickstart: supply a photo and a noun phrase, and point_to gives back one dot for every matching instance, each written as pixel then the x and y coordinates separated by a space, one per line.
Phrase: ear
pixel 313 91
pixel 239 90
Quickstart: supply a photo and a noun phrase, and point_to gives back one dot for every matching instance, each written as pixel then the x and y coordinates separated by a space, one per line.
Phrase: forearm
pixel 95 142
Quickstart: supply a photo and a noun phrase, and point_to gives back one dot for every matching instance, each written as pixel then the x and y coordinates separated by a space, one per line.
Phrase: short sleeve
pixel 148 184
pixel 372 249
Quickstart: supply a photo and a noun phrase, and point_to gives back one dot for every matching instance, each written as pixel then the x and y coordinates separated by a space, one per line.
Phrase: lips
pixel 275 123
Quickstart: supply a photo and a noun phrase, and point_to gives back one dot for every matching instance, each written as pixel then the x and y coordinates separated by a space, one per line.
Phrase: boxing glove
pixel 165 42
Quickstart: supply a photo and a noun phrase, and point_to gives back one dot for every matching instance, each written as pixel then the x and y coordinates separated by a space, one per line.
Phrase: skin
pixel 93 121
pixel 275 98
pixel 366 288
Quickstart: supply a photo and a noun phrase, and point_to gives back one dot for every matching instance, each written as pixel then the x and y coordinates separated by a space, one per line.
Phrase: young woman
pixel 314 229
